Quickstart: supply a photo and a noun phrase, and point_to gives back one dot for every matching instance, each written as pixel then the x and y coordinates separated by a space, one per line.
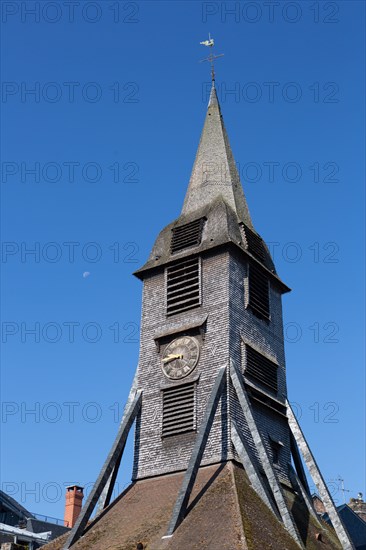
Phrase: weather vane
pixel 211 58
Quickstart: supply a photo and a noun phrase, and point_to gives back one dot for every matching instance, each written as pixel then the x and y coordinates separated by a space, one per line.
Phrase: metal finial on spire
pixel 211 58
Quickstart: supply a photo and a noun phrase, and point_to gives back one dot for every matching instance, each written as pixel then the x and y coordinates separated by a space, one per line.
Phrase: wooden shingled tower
pixel 219 459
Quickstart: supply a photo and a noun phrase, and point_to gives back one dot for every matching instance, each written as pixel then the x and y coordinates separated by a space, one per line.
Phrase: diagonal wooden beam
pixel 112 480
pixel 317 477
pixel 106 495
pixel 298 486
pixel 298 463
pixel 276 488
pixel 106 471
pixel 197 453
pixel 242 448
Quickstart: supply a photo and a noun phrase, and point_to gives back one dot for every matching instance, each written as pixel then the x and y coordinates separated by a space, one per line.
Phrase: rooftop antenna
pixel 211 58
pixel 344 491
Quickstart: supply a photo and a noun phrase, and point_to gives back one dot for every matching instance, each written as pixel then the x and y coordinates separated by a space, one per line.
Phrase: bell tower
pixel 210 386
pixel 211 297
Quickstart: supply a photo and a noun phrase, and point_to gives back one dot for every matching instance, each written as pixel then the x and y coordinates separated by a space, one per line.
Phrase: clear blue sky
pixel 113 124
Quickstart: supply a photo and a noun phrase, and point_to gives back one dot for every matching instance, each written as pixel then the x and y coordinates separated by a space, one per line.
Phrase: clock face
pixel 180 357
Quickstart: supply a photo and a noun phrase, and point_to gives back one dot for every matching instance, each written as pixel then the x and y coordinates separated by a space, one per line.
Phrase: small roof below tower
pixel 224 512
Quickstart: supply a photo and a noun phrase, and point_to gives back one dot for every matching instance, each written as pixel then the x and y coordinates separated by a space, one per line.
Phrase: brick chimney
pixel 358 505
pixel 74 499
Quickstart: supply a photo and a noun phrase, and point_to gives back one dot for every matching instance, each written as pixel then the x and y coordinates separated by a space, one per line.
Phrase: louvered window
pixel 276 447
pixel 178 410
pixel 275 453
pixel 258 292
pixel 183 286
pixel 261 369
pixel 264 399
pixel 254 243
pixel 187 235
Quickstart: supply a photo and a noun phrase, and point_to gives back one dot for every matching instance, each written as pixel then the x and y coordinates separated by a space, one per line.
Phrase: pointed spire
pixel 213 96
pixel 214 171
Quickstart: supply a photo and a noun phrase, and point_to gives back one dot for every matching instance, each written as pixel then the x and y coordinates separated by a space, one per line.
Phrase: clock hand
pixel 171 357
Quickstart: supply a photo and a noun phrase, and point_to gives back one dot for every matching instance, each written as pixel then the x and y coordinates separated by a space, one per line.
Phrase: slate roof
pixel 224 513
pixel 214 171
pixel 216 194
pixel 13 506
pixel 221 228
pixel 354 524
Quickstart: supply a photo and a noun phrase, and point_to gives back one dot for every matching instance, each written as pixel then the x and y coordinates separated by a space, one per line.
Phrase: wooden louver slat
pixel 183 286
pixel 258 292
pixel 261 369
pixel 178 410
pixel 187 235
pixel 254 243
